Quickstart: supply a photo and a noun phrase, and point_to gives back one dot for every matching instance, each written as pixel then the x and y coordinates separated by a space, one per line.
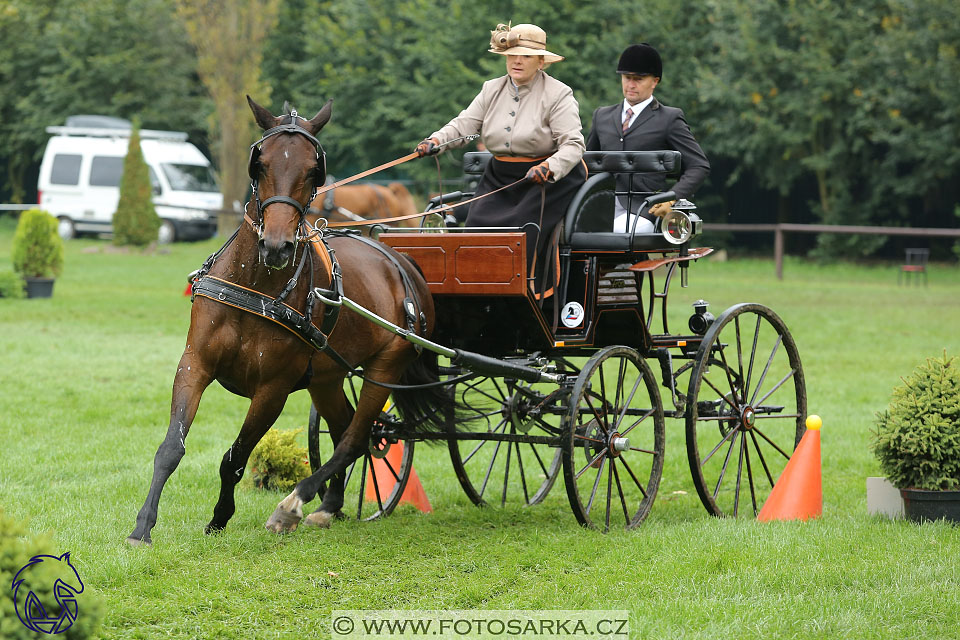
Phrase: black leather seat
pixel 588 225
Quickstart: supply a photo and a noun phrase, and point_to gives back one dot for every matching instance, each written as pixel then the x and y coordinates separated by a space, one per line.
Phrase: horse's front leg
pixel 351 446
pixel 188 386
pixel 265 407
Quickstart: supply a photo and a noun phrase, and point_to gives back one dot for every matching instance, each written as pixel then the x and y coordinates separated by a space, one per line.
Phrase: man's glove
pixel 429 147
pixel 540 173
pixel 662 208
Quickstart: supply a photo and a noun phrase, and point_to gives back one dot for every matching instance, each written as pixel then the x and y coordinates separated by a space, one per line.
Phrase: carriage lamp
pixel 678 227
pixel 701 319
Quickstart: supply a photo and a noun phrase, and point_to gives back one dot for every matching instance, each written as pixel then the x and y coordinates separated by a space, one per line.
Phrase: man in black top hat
pixel 641 123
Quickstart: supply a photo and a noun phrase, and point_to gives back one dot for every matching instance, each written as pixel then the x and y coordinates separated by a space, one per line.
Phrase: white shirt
pixel 636 109
pixel 623 223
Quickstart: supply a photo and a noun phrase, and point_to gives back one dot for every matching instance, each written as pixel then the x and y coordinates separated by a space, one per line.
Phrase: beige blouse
pixel 540 118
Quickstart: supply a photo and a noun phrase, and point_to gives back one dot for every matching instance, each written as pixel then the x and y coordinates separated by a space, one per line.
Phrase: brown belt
pixel 519 159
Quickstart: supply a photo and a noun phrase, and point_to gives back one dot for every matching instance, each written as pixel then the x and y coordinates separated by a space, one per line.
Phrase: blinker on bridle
pixel 253 169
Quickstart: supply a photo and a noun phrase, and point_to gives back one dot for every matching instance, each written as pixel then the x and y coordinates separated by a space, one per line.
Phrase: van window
pixel 106 171
pixel 190 177
pixel 66 169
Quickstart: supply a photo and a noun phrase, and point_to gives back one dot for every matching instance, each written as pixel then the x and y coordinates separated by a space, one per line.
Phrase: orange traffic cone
pixel 798 494
pixel 413 493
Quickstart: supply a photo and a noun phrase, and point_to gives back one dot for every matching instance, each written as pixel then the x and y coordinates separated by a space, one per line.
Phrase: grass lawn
pixel 86 379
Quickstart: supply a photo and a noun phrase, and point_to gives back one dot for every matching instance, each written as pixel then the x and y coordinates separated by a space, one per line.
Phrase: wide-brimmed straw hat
pixel 521 40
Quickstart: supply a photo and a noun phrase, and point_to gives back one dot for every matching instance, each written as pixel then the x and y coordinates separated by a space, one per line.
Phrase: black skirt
pixel 520 205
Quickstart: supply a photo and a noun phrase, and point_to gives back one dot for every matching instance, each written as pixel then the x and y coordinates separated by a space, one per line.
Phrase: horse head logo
pixel 47 574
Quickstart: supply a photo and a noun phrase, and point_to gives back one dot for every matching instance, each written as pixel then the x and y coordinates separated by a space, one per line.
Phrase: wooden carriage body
pixel 606 295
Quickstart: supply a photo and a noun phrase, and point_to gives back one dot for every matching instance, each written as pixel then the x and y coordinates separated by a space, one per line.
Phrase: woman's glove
pixel 540 173
pixel 662 208
pixel 429 147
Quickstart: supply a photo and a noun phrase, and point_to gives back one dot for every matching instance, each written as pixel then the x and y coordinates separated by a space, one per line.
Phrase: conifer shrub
pixel 37 247
pixel 278 463
pixel 917 439
pixel 17 548
pixel 135 222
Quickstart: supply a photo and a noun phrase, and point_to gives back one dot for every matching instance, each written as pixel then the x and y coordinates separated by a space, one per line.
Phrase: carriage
pixel 522 387
pixel 580 384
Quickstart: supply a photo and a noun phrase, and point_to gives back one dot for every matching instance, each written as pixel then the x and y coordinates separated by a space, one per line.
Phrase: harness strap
pixel 411 302
pixel 234 295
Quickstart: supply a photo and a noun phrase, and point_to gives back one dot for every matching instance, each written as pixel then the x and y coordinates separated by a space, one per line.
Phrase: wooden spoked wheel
pixel 613 442
pixel 496 472
pixel 746 406
pixel 374 482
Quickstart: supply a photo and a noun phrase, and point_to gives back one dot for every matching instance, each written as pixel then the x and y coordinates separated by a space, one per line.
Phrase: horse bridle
pixel 254 168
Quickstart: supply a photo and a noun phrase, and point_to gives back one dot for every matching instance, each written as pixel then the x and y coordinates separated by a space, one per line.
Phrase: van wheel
pixel 167 232
pixel 66 228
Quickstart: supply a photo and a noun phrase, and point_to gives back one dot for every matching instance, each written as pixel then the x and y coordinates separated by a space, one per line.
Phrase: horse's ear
pixel 264 118
pixel 322 117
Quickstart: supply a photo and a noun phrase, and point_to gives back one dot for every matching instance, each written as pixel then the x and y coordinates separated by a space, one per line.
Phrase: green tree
pixel 228 36
pixel 112 57
pixel 136 221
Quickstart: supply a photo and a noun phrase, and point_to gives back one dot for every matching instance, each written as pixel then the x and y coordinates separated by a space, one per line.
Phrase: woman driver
pixel 531 123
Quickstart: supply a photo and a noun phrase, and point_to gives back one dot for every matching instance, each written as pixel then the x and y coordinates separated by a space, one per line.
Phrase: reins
pixel 439 211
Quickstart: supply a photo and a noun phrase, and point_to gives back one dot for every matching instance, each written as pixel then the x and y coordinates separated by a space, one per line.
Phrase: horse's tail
pixel 433 408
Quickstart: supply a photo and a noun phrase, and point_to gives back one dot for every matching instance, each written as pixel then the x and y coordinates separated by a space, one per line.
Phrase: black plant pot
pixel 39 287
pixel 920 505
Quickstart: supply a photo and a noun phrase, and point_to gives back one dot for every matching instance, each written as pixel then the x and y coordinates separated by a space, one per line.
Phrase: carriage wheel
pixel 367 495
pixel 746 406
pixel 613 441
pixel 493 472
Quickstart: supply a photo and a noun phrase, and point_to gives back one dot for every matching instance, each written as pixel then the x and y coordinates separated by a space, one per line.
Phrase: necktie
pixel 626 119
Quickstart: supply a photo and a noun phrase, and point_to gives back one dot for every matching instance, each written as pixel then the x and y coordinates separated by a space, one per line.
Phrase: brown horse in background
pixel 366 201
pixel 261 360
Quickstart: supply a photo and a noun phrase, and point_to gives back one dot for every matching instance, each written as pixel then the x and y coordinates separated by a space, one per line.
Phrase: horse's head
pixel 286 166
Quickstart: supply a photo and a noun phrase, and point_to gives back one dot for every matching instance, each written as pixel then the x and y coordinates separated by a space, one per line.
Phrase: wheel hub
pixel 748 417
pixel 617 444
pixel 521 411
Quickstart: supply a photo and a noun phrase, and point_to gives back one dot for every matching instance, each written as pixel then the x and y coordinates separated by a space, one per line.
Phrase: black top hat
pixel 640 59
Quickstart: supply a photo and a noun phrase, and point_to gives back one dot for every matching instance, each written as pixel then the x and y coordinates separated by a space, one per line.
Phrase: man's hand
pixel 662 208
pixel 428 147
pixel 540 173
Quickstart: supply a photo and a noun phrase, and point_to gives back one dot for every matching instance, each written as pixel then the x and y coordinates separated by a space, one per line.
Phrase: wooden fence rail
pixel 781 228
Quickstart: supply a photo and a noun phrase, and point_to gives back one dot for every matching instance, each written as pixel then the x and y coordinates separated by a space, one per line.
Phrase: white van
pixel 80 178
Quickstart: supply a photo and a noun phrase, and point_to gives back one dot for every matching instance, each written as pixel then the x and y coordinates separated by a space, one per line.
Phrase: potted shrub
pixel 37 252
pixel 918 440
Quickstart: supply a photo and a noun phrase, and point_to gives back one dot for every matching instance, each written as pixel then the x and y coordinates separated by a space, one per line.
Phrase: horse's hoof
pixel 213 528
pixel 283 521
pixel 139 542
pixel 320 519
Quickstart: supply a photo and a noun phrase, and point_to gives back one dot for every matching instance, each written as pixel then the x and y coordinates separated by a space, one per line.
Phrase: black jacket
pixel 657 127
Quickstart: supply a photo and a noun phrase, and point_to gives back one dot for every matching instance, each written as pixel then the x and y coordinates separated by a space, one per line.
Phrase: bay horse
pixel 366 201
pixel 261 360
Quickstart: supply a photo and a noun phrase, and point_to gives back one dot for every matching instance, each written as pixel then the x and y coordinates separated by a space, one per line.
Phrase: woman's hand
pixel 540 173
pixel 429 147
